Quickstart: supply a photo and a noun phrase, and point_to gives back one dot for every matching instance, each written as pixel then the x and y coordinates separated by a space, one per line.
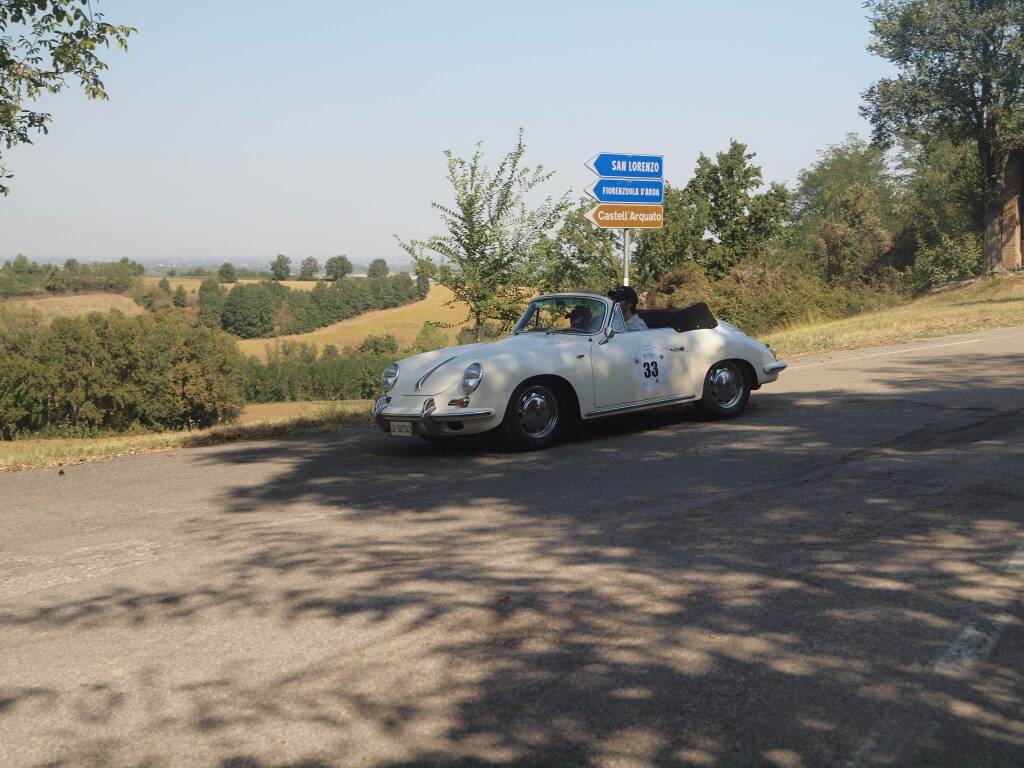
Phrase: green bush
pixel 294 371
pixel 113 373
pixel 949 259
pixel 759 297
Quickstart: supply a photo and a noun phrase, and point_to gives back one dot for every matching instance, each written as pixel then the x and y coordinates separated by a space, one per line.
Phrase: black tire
pixel 726 390
pixel 535 416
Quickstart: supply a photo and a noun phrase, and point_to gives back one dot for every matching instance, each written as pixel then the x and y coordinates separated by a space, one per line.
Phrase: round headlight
pixel 389 377
pixel 472 377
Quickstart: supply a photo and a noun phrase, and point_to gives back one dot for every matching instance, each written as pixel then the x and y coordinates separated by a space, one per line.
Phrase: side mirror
pixel 609 332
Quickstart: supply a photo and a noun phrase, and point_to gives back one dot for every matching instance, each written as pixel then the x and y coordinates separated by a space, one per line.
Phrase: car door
pixel 629 367
pixel 679 356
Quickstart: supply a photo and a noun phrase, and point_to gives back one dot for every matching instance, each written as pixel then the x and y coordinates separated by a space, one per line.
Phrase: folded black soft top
pixel 690 318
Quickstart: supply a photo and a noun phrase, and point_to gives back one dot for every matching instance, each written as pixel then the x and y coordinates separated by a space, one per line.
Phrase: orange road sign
pixel 622 216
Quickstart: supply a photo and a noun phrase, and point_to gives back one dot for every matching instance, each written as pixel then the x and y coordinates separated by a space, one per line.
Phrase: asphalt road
pixel 833 579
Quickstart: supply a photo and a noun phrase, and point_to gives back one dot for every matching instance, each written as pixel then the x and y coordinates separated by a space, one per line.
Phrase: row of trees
pixel 260 310
pixel 109 372
pixel 22 277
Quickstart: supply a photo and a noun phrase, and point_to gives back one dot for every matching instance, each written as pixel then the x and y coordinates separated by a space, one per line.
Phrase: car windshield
pixel 564 314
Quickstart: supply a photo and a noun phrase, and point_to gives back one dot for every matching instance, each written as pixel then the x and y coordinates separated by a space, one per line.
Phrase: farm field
pixel 192 283
pixel 404 323
pixel 50 307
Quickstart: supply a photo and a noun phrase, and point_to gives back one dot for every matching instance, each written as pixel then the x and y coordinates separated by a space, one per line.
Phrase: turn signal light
pixel 462 402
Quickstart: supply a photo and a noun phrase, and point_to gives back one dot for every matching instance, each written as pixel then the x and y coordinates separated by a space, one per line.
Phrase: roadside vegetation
pixel 264 422
pixel 983 304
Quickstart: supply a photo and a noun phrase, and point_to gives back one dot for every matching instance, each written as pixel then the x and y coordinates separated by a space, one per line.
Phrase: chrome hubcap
pixel 726 385
pixel 537 411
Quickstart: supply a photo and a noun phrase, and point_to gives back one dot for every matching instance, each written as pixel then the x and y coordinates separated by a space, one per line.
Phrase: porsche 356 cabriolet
pixel 570 357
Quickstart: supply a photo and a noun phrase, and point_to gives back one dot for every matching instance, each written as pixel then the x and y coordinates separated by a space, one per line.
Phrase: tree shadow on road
pixel 781 589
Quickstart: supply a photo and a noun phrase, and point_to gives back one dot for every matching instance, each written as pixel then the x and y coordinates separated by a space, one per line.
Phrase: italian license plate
pixel 401 428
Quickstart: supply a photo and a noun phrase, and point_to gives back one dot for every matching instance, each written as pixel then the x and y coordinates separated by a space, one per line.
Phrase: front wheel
pixel 726 391
pixel 534 418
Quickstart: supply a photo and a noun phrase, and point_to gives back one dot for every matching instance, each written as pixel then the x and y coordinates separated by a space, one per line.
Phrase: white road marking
pixel 903 351
pixel 976 641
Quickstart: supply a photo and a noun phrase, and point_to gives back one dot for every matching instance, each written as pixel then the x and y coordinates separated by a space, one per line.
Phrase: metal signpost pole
pixel 625 257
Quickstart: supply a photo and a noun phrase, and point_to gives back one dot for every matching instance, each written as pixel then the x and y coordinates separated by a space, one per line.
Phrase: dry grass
pixel 404 323
pixel 192 283
pixel 51 307
pixel 258 422
pixel 986 303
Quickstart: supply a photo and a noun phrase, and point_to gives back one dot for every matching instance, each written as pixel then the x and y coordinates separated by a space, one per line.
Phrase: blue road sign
pixel 627 166
pixel 628 191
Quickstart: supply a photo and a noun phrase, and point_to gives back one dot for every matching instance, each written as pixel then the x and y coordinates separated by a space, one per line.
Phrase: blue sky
pixel 238 130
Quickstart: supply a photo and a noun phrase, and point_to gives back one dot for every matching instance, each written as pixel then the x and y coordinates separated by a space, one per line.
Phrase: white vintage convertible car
pixel 570 357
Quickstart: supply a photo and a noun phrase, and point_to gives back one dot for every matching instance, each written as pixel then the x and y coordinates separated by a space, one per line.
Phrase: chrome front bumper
pixel 427 421
pixel 777 367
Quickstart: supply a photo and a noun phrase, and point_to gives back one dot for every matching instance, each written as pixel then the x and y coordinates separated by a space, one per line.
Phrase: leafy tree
pixel 248 311
pixel 941 200
pixel 579 256
pixel 337 267
pixel 430 337
pixel 379 345
pixel 377 268
pixel 739 219
pixel 211 302
pixel 851 239
pixel 179 296
pixel 960 77
pixel 855 161
pixel 56 41
pixel 207 379
pixel 165 285
pixel 308 268
pixel 281 267
pixel 679 244
pixel 486 256
pixel 226 273
pixel 422 284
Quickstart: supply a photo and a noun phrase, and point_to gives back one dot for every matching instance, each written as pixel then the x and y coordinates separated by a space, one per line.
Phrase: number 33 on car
pixel 570 357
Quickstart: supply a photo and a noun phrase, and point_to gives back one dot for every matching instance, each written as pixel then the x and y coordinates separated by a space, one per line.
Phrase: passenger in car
pixel 627 299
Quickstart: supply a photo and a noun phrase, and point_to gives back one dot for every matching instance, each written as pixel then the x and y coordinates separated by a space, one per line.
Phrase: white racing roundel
pixel 649 364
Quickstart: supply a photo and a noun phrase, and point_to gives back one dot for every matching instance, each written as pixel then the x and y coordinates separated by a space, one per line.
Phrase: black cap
pixel 624 292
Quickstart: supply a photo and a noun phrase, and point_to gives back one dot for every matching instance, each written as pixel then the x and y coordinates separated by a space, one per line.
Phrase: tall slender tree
pixel 486 256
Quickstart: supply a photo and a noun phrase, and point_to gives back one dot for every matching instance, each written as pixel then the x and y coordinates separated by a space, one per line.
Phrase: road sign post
pixel 630 195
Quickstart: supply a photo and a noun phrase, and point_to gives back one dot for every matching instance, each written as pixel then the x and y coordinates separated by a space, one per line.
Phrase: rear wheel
pixel 726 391
pixel 535 416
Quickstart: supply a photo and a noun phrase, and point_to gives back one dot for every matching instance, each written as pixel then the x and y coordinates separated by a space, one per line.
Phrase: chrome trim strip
pixel 776 367
pixel 637 406
pixel 464 416
pixel 425 376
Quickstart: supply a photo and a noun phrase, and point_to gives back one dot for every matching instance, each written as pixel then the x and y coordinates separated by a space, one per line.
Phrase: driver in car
pixel 580 318
pixel 627 300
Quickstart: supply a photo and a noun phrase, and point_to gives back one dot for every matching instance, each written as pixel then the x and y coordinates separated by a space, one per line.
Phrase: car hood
pixel 444 367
